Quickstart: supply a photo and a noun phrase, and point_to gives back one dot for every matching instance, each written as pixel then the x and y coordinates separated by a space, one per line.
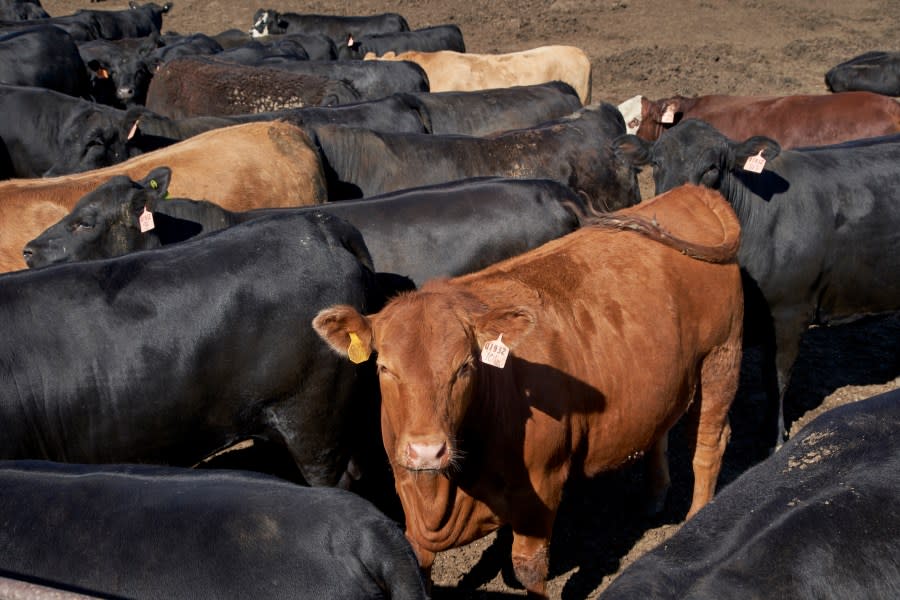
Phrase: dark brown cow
pixel 793 121
pixel 255 165
pixel 612 337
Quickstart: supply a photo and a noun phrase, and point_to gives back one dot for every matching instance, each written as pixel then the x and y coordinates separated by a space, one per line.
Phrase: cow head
pixel 429 347
pixel 266 22
pixel 104 223
pixel 694 152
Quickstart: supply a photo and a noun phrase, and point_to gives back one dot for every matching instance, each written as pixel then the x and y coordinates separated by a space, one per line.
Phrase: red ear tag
pixel 755 164
pixel 102 73
pixel 669 115
pixel 495 353
pixel 146 221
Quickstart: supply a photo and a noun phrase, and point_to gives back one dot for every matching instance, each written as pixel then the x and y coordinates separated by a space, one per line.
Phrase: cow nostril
pixel 27 253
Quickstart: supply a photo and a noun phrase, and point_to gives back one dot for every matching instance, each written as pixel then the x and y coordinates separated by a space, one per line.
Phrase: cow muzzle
pixel 426 456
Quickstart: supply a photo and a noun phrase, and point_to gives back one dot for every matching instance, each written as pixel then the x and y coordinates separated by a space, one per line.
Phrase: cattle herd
pixel 428 278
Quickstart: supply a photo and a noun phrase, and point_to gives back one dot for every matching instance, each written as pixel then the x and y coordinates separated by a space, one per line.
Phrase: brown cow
pixel 611 338
pixel 450 71
pixel 793 121
pixel 256 165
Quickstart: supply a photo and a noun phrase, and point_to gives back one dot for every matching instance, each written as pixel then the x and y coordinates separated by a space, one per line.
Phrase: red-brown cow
pixel 793 121
pixel 611 337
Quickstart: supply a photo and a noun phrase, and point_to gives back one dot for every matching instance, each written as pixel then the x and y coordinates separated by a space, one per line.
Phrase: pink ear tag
pixel 756 163
pixel 349 41
pixel 133 129
pixel 669 115
pixel 495 353
pixel 146 221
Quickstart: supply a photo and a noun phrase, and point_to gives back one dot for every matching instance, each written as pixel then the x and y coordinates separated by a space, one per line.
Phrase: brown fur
pixel 792 121
pixel 613 337
pixel 193 87
pixel 256 165
pixel 462 71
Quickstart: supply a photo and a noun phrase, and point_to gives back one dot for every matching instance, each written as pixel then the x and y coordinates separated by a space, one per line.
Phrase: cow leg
pixel 708 420
pixel 657 472
pixel 531 563
pixel 789 330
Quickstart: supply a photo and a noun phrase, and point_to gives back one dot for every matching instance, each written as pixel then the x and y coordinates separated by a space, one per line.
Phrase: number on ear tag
pixel 146 221
pixel 495 353
pixel 756 163
pixel 357 352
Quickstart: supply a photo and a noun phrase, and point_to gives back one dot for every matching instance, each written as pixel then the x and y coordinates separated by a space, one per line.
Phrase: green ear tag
pixel 357 352
pixel 153 184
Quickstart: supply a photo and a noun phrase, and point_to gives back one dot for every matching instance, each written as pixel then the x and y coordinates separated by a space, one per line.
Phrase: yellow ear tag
pixel 356 351
pixel 153 184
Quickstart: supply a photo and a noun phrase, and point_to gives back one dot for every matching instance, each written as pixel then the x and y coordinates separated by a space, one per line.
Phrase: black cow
pixel 371 83
pixel 43 56
pixel 486 112
pixel 139 531
pixel 170 355
pixel 255 53
pixel 818 229
pixel 135 21
pixel 116 65
pixel 877 72
pixel 22 10
pixel 267 21
pixel 817 520
pixel 44 133
pixel 463 113
pixel 437 231
pixel 427 39
pixel 83 25
pixel 575 150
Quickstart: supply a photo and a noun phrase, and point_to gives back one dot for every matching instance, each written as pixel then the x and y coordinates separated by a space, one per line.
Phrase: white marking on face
pixel 631 110
pixel 260 22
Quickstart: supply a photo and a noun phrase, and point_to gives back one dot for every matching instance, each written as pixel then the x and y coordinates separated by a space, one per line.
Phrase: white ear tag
pixel 495 353
pixel 756 163
pixel 669 115
pixel 146 221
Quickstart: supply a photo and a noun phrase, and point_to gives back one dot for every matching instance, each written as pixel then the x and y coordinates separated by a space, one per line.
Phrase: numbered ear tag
pixel 755 164
pixel 669 115
pixel 495 353
pixel 357 352
pixel 146 221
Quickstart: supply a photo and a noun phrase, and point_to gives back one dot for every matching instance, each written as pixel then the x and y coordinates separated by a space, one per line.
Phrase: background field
pixel 656 48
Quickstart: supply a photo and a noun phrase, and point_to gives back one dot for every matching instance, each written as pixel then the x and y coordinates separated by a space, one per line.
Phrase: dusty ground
pixel 656 48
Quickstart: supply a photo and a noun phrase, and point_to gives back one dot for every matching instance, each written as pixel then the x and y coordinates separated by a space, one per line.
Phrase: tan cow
pixel 450 71
pixel 571 359
pixel 256 165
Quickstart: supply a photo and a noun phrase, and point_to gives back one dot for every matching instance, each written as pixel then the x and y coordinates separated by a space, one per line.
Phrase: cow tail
pixel 721 253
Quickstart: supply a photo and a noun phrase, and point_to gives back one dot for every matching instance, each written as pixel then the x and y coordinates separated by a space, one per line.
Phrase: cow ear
pixel 632 150
pixel 157 181
pixel 513 323
pixel 346 331
pixel 753 146
pixel 98 69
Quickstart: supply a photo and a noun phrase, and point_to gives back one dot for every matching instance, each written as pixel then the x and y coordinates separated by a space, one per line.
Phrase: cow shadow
pixel 600 521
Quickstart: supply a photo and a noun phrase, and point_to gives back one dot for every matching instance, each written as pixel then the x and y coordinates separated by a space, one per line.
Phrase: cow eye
pixel 465 369
pixel 83 226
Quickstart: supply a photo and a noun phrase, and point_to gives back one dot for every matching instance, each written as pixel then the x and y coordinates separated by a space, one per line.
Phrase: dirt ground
pixel 656 48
